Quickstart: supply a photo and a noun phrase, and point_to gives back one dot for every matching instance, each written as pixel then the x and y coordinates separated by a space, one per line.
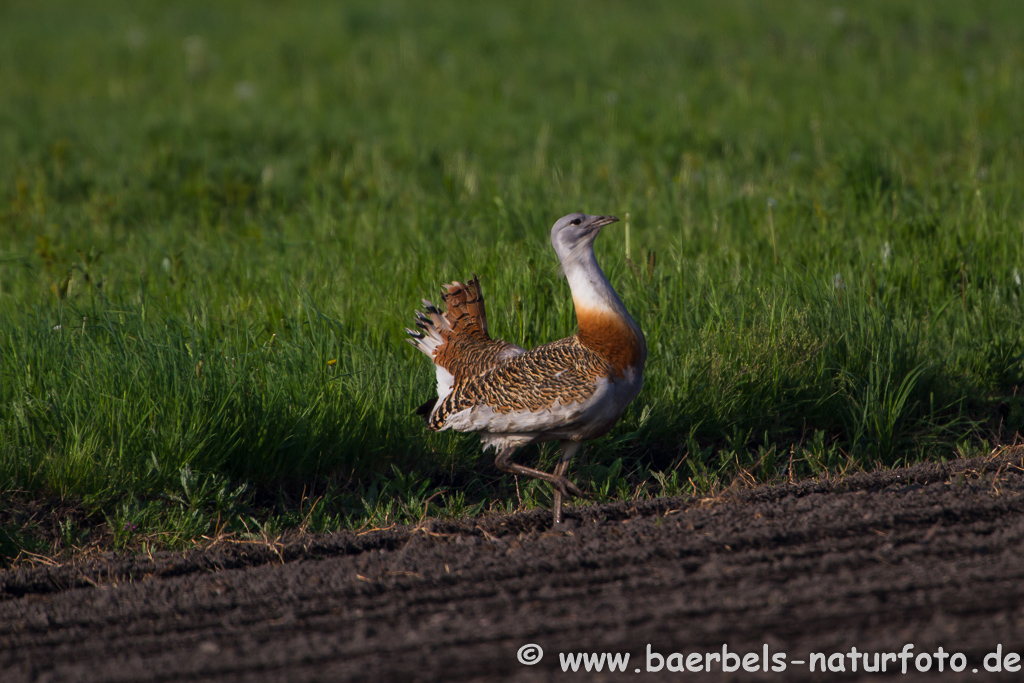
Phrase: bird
pixel 571 390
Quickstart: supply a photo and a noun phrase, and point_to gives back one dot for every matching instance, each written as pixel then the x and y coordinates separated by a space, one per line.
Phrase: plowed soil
pixel 930 556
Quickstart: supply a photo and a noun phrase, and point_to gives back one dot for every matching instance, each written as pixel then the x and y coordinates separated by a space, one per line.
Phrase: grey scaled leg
pixel 569 449
pixel 561 485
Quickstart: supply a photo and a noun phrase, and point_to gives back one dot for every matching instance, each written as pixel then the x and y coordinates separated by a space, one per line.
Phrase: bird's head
pixel 575 231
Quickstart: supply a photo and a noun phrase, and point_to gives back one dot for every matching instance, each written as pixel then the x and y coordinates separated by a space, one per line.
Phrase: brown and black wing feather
pixel 468 349
pixel 457 340
pixel 562 372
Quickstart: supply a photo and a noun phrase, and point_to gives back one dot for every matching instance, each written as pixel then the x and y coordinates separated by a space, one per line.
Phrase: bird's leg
pixel 504 462
pixel 562 484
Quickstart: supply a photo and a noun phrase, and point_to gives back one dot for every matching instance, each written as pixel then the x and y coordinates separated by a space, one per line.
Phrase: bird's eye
pixel 577 221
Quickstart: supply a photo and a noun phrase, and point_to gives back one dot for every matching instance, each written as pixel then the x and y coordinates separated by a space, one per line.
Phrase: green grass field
pixel 217 218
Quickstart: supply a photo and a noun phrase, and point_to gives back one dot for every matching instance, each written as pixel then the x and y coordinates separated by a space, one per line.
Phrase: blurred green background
pixel 216 219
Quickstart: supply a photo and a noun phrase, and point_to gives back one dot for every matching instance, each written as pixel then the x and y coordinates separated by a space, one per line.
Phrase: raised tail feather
pixel 457 340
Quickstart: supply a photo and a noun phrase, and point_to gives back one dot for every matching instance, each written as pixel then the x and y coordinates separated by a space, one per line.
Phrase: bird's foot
pixel 567 487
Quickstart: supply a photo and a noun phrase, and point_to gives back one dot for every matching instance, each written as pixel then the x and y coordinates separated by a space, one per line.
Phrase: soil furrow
pixel 931 555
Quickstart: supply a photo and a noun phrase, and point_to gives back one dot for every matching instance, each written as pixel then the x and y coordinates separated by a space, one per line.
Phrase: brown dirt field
pixel 931 555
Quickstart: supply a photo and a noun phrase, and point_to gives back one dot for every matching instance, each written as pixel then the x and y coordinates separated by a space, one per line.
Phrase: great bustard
pixel 569 390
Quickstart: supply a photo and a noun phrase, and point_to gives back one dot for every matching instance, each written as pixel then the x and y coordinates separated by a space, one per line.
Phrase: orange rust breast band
pixel 611 337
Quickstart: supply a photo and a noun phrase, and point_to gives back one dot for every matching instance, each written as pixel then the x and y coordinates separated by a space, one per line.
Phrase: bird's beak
pixel 598 223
